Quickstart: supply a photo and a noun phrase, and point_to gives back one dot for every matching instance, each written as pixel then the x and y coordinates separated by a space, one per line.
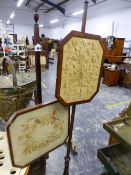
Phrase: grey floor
pixel 88 133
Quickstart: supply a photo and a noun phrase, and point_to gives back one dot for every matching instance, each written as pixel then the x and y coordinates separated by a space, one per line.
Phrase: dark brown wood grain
pixel 67 157
pixel 37 61
pixel 60 62
pixel 38 78
pixel 111 77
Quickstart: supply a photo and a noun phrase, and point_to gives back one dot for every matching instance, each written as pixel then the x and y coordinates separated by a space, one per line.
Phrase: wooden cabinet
pixel 111 77
pixel 114 55
pixel 119 43
pixel 125 75
pixel 43 58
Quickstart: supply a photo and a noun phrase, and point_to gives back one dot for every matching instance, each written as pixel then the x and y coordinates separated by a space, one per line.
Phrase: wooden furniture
pixel 119 43
pixel 114 55
pixel 124 113
pixel 20 50
pixel 125 75
pixel 22 66
pixel 116 159
pixel 111 77
pixel 117 156
pixel 43 56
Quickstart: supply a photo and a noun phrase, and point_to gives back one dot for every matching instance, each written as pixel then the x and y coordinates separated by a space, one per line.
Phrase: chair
pixel 22 66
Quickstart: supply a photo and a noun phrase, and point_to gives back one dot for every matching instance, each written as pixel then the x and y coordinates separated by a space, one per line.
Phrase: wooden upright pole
pixel 67 157
pixel 84 17
pixel 38 94
pixel 37 61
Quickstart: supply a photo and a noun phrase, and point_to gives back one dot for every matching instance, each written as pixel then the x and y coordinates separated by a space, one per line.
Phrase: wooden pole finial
pixel 36 29
pixel 36 17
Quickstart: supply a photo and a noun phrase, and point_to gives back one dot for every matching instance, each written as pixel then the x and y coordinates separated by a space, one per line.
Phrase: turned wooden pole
pixel 37 61
pixel 38 93
pixel 84 17
pixel 67 157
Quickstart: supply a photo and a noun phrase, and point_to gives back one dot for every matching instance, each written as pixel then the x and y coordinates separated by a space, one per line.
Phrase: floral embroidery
pixel 32 126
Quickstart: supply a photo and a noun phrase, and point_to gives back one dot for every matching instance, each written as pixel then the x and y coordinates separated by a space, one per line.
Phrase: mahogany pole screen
pixel 79 67
pixel 78 72
pixel 37 61
pixel 36 131
pixel 38 92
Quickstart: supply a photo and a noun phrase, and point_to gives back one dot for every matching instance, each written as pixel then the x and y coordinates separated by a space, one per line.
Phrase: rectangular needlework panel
pixel 36 131
pixel 79 67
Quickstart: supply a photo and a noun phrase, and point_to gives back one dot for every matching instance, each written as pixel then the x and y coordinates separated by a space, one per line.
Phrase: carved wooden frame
pixel 60 61
pixel 20 112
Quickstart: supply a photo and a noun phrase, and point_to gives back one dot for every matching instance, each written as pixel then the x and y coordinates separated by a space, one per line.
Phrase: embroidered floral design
pixel 31 128
pixel 80 69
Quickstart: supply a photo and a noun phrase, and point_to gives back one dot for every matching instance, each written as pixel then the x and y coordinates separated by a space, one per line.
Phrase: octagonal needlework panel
pixel 36 131
pixel 78 74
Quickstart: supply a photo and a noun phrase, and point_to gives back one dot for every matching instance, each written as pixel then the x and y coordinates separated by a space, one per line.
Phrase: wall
pixel 22 30
pixel 101 25
pixel 23 21
pixel 28 30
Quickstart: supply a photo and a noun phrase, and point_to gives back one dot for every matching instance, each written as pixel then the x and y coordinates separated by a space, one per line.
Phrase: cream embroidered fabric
pixel 37 132
pixel 80 69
